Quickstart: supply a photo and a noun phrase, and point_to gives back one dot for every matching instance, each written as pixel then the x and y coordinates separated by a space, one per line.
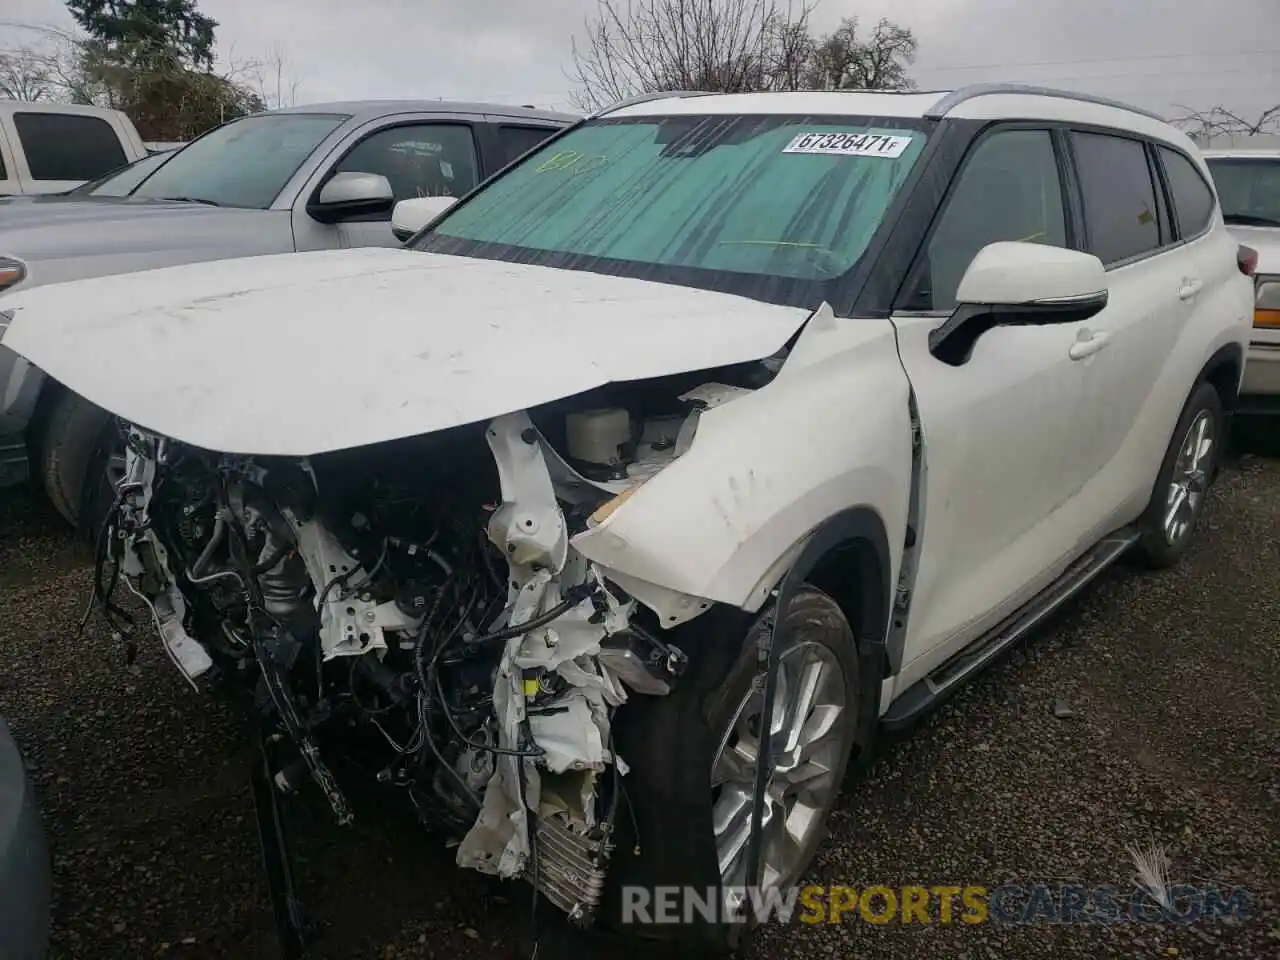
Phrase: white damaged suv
pixel 712 408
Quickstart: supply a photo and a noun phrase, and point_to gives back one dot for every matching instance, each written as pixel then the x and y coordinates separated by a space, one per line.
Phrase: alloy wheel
pixel 806 744
pixel 1190 479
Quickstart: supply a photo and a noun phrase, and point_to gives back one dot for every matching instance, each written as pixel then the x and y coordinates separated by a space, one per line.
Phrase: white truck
pixel 54 147
pixel 1247 176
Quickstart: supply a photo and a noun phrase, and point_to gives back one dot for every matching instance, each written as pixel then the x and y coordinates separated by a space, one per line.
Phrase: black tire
pixel 1155 549
pixel 73 431
pixel 670 742
pixel 105 469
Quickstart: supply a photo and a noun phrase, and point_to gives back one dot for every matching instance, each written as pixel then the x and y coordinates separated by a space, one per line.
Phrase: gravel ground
pixel 1173 683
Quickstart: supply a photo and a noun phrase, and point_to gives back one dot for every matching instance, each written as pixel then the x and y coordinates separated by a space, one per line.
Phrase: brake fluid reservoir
pixel 598 436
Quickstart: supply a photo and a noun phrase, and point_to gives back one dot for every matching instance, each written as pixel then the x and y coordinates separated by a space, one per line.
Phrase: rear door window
pixel 60 146
pixel 1122 219
pixel 1192 198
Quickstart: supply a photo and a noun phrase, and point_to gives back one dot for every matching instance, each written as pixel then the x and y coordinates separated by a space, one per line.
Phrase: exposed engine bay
pixel 414 613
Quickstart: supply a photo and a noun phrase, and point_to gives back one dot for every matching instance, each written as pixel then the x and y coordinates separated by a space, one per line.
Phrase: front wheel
pixel 1182 486
pixel 694 756
pixel 815 714
pixel 80 454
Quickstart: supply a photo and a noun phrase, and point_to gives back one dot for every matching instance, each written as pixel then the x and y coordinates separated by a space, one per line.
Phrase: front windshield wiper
pixel 201 200
pixel 1249 220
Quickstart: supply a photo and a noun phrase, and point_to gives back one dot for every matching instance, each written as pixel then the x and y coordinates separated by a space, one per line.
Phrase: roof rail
pixel 975 90
pixel 646 97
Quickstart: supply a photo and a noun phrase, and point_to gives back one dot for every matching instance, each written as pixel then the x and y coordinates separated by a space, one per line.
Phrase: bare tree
pixel 57 67
pixel 26 74
pixel 48 68
pixel 272 78
pixel 791 49
pixel 732 46
pixel 1218 121
pixel 843 61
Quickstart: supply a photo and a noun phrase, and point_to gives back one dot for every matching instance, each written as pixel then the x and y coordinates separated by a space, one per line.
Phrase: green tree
pixel 153 59
pixel 132 29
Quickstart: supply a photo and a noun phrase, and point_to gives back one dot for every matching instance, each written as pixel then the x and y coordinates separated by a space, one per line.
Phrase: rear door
pixel 1213 248
pixel 1153 283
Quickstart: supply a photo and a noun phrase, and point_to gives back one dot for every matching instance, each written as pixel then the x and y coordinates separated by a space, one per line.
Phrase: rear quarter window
pixel 1192 199
pixel 62 146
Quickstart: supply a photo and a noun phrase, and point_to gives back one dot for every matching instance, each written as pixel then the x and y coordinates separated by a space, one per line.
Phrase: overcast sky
pixel 1155 53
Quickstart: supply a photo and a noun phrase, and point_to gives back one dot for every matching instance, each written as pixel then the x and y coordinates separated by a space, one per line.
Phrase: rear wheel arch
pixel 1223 371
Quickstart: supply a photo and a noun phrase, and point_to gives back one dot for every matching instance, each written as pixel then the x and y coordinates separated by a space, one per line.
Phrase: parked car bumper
pixel 24 861
pixel 19 388
pixel 1260 392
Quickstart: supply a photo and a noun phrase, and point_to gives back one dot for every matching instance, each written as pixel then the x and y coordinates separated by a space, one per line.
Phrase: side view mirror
pixel 352 194
pixel 1019 284
pixel 410 216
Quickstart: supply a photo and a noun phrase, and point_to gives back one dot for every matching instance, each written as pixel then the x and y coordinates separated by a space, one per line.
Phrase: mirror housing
pixel 351 194
pixel 411 215
pixel 1014 283
pixel 1015 273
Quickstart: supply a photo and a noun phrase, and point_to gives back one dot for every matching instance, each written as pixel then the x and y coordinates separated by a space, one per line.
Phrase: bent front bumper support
pixel 292 928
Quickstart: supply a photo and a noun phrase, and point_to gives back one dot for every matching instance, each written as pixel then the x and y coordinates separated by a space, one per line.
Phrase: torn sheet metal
pixel 550 690
pixel 168 609
pixel 349 627
pixel 498 842
pixel 571 728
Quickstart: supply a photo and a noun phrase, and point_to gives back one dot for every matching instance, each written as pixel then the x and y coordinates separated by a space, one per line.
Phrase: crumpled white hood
pixel 299 354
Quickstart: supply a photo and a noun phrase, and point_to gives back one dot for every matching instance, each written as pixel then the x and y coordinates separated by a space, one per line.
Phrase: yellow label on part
pixel 531 687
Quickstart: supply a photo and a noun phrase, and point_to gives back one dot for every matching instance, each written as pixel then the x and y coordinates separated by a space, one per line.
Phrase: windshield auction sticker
pixel 849 144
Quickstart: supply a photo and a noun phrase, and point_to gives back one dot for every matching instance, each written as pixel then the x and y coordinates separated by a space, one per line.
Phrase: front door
pixel 420 158
pixel 1001 431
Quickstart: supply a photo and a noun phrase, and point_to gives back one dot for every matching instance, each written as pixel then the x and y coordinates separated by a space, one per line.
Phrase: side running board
pixel 927 693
